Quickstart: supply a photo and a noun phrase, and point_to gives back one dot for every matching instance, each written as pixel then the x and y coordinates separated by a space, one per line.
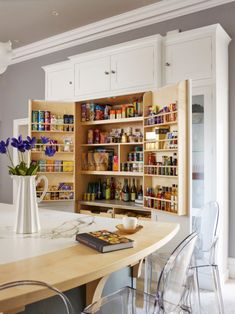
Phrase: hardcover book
pixel 104 241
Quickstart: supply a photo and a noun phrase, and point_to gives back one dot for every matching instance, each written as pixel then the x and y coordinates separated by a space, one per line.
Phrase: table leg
pixel 94 289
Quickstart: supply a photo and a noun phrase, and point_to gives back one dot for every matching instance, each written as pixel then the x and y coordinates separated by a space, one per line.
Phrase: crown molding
pixel 147 15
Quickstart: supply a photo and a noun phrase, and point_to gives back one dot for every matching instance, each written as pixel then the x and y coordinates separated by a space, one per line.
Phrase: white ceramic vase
pixel 26 203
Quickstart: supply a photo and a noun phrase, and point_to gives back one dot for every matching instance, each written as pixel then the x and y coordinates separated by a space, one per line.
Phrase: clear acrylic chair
pixel 206 223
pixel 67 305
pixel 170 291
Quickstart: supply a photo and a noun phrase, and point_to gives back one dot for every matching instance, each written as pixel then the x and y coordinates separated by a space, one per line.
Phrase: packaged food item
pixel 123 111
pixel 41 120
pixel 83 112
pixel 87 112
pixel 101 160
pixel 90 161
pixel 112 114
pixel 103 137
pixel 35 115
pixel 53 122
pixel 92 112
pixel 58 165
pixel 50 165
pixel 47 120
pixel 99 112
pixel 106 112
pixel 90 136
pixel 67 166
pixel 119 113
pixel 115 163
pixel 96 136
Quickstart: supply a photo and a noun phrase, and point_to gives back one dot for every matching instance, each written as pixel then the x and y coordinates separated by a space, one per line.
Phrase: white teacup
pixel 129 222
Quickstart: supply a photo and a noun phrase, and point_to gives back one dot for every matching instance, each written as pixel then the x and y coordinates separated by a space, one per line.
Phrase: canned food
pixel 34 120
pixel 41 120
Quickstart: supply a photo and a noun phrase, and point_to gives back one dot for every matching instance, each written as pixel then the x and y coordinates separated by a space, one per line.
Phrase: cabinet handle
pixel 106 72
pixel 167 64
pixel 113 72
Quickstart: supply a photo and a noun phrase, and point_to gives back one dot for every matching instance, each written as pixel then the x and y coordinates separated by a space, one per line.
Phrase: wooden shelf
pixel 114 204
pixel 160 199
pixel 56 131
pixel 161 150
pixel 113 121
pixel 42 152
pixel 164 211
pixel 160 176
pixel 55 172
pixel 113 173
pixel 161 124
pixel 60 191
pixel 160 114
pixel 111 144
pixel 49 201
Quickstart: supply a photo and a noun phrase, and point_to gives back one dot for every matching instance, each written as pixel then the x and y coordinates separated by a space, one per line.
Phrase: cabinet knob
pixel 167 64
pixel 113 72
pixel 70 82
pixel 106 72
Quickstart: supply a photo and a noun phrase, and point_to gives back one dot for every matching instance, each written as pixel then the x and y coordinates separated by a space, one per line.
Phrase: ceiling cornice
pixel 151 14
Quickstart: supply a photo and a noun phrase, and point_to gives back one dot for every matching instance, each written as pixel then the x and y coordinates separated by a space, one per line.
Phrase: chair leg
pixel 197 288
pixel 148 274
pixel 218 290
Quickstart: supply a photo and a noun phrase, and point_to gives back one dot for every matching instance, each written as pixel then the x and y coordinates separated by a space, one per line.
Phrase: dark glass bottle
pixel 125 191
pixel 99 191
pixel 133 191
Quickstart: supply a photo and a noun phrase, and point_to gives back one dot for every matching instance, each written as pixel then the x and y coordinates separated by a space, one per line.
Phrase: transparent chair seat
pixel 170 294
pixel 67 306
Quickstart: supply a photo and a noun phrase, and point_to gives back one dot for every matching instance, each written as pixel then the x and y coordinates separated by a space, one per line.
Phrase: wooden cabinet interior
pixel 82 173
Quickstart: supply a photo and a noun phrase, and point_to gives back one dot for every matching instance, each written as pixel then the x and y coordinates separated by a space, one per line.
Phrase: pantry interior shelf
pixel 113 173
pixel 160 114
pixel 160 124
pixel 113 121
pixel 55 131
pixel 114 204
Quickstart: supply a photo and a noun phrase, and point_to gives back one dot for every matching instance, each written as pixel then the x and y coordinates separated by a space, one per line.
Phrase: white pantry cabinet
pixel 59 81
pixel 191 59
pixel 202 55
pixel 132 66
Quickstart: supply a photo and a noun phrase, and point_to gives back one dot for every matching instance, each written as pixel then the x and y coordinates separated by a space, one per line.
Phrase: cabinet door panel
pixel 188 60
pixel 132 68
pixel 92 76
pixel 60 84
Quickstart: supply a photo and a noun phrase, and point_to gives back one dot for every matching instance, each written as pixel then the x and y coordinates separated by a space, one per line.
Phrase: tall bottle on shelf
pixel 133 191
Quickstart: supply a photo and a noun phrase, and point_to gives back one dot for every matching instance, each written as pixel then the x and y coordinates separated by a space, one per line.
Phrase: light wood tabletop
pixel 53 255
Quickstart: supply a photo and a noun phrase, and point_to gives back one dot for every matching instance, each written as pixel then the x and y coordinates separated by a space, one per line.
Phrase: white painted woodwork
pixel 133 68
pixel 189 59
pixel 203 54
pixel 92 76
pixel 60 82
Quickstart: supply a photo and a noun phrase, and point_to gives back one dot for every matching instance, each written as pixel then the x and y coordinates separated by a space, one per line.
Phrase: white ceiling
pixel 26 21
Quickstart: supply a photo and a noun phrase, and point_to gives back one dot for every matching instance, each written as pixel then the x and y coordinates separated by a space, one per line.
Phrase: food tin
pixel 34 120
pixel 90 136
pixel 41 120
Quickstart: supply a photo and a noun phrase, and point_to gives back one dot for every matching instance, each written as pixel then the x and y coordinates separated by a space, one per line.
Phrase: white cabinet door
pixel 59 84
pixel 190 59
pixel 92 76
pixel 132 68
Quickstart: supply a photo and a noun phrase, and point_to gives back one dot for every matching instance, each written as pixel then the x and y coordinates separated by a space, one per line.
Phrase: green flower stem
pixel 9 156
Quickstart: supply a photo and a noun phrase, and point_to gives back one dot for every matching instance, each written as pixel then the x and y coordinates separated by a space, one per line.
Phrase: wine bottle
pixel 108 190
pixel 140 193
pixel 99 191
pixel 112 189
pixel 133 191
pixel 125 191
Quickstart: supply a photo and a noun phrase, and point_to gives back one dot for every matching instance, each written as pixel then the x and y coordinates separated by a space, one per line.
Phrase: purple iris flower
pixel 18 143
pixel 29 143
pixel 50 151
pixel 45 139
pixel 3 146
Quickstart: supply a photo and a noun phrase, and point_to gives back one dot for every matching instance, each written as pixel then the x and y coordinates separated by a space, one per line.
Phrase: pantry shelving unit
pixel 81 174
pixel 65 154
pixel 157 173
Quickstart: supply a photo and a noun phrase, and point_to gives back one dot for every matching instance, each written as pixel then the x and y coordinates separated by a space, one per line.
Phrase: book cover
pixel 104 241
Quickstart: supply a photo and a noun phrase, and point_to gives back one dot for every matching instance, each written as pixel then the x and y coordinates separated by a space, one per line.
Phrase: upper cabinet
pixel 59 81
pixel 134 66
pixel 191 59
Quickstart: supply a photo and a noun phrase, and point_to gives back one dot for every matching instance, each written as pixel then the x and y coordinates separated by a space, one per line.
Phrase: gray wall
pixel 26 80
